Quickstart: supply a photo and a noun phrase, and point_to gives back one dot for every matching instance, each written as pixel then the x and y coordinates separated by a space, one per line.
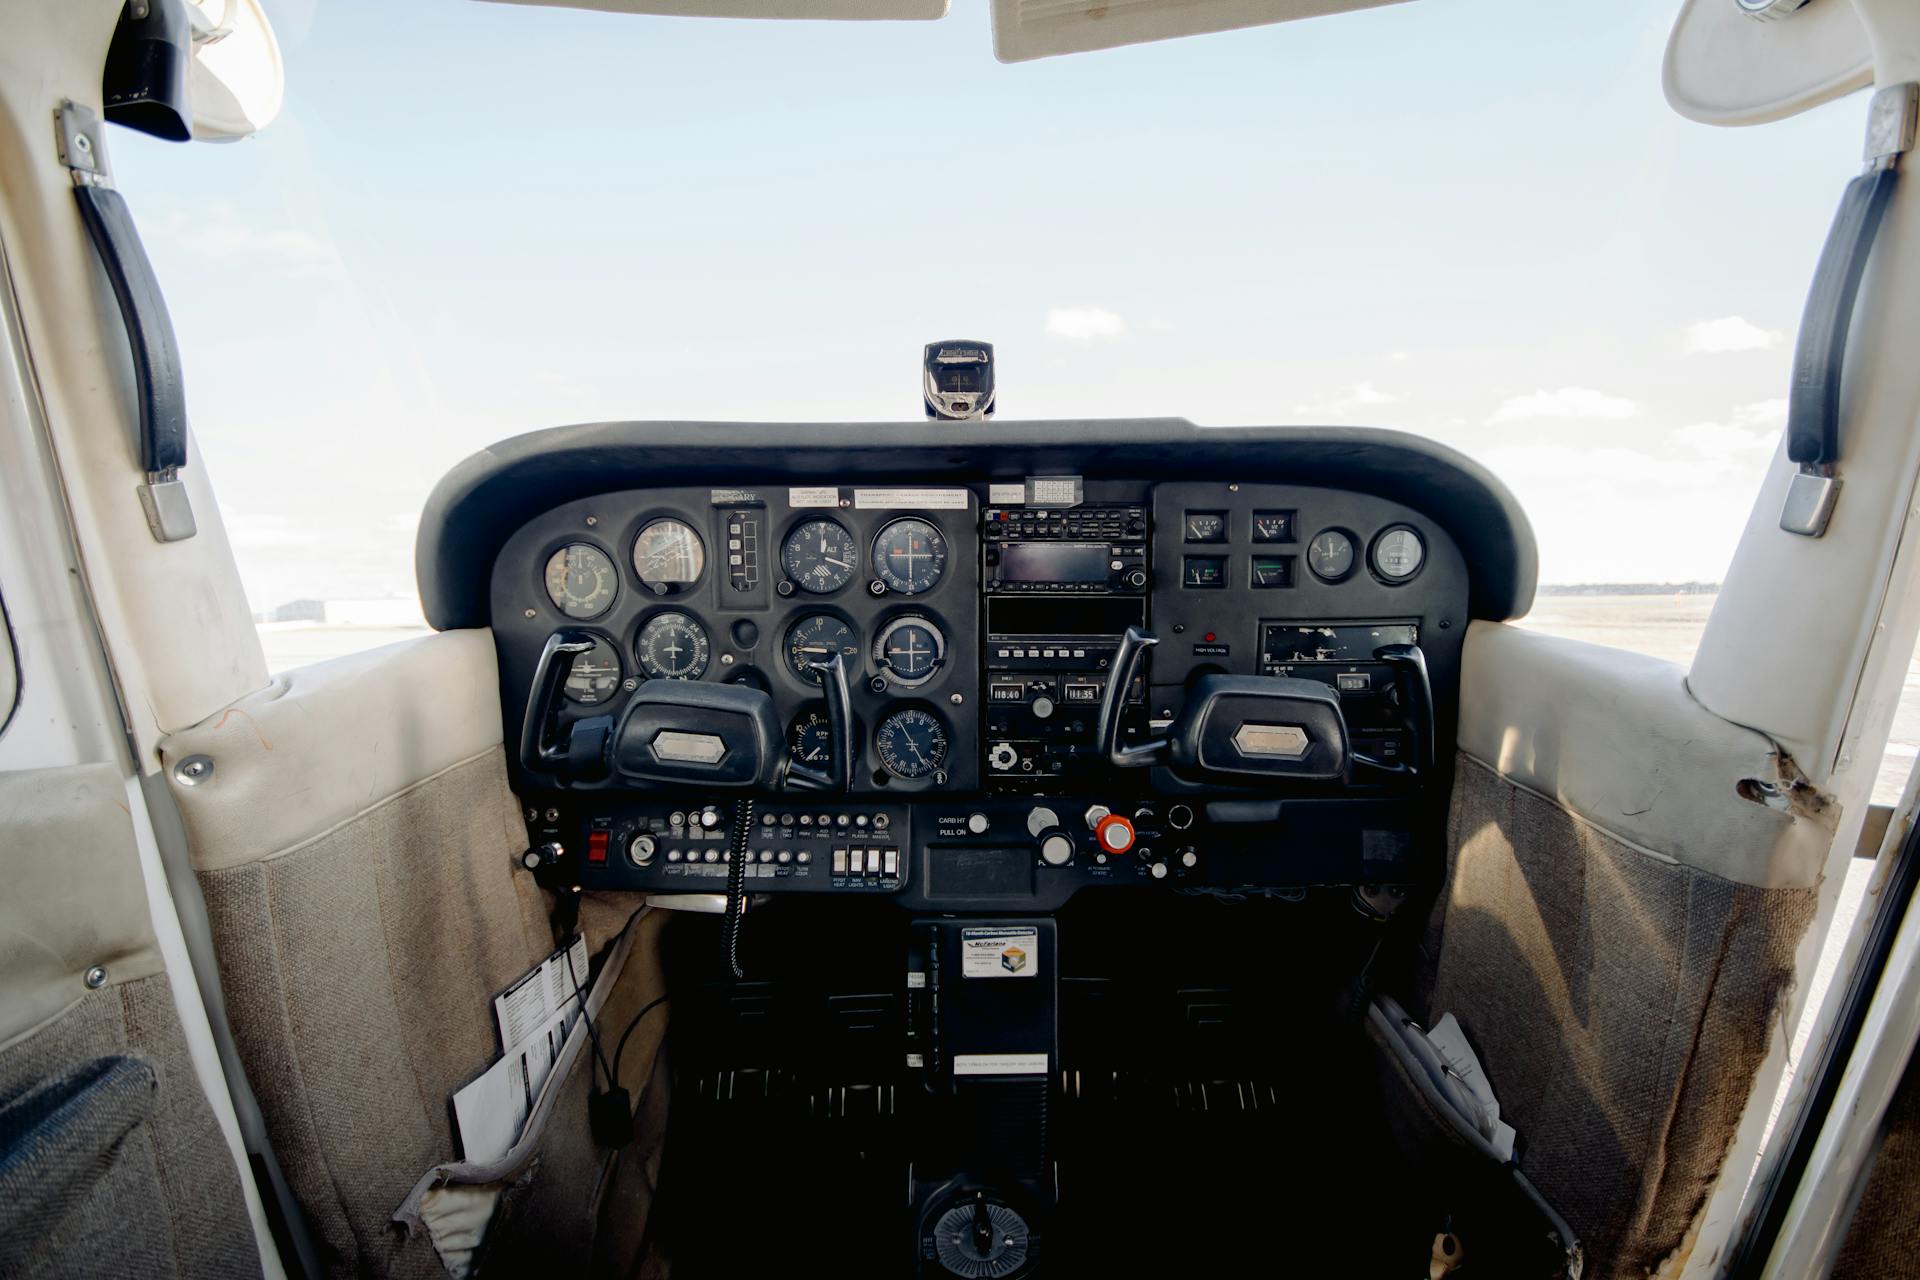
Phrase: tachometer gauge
pixel 910 650
pixel 1398 554
pixel 910 556
pixel 674 647
pixel 1330 555
pixel 581 580
pixel 669 555
pixel 817 637
pixel 595 675
pixel 811 740
pixel 911 743
pixel 820 556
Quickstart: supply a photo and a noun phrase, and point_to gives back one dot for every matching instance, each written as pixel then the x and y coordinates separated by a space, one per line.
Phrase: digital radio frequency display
pixel 1055 562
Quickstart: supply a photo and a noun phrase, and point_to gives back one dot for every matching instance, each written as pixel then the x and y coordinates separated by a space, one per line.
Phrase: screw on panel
pixel 96 978
pixel 530 613
pixel 193 771
pixel 592 521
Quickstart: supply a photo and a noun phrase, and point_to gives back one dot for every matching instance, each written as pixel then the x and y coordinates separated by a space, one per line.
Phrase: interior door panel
pixel 111 1160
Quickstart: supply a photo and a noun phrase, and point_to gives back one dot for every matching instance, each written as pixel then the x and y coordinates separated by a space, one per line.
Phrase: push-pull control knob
pixel 1114 834
pixel 1039 818
pixel 543 855
pixel 1057 850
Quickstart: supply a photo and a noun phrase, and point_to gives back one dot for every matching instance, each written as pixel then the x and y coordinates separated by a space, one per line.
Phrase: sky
pixel 1476 220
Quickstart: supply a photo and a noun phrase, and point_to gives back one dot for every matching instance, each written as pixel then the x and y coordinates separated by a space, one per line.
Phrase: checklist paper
pixel 535 1016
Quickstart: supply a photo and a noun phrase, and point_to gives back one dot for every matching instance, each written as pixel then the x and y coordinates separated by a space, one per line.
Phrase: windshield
pixel 1475 220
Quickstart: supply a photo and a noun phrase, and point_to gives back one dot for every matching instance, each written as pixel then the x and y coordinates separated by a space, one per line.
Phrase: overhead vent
pixel 1028 29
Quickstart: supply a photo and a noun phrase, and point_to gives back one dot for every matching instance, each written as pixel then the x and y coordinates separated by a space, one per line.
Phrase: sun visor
pixel 830 10
pixel 1028 29
pixel 1726 66
pixel 238 80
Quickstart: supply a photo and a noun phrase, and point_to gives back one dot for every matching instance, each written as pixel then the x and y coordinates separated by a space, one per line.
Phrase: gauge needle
pixel 918 754
pixel 838 564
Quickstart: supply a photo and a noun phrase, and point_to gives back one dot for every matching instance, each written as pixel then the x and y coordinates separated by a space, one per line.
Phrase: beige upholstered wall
pixel 1620 1001
pixel 358 846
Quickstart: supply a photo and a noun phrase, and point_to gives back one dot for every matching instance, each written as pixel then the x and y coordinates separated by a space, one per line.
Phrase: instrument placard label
pixel 1000 953
pixel 1054 491
pixel 921 499
pixel 1000 1064
pixel 826 496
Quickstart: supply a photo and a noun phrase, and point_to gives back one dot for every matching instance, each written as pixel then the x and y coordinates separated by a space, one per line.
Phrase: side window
pixel 1662 620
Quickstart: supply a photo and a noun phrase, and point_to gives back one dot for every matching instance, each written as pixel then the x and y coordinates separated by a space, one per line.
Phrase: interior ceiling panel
pixel 1028 29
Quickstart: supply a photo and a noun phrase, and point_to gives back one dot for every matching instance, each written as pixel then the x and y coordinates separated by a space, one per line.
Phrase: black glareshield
pixel 959 379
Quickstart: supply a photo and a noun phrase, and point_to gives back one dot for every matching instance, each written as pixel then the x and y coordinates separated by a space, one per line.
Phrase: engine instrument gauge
pixel 810 739
pixel 595 675
pixel 1330 555
pixel 911 744
pixel 910 649
pixel 581 580
pixel 673 646
pixel 1270 572
pixel 910 555
pixel 668 555
pixel 1398 553
pixel 1273 526
pixel 817 637
pixel 1206 526
pixel 820 556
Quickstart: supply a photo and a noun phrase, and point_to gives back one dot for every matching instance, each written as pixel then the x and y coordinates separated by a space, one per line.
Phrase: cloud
pixel 1751 429
pixel 1361 395
pixel 1085 324
pixel 222 237
pixel 1721 438
pixel 1567 402
pixel 1730 333
pixel 1768 414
